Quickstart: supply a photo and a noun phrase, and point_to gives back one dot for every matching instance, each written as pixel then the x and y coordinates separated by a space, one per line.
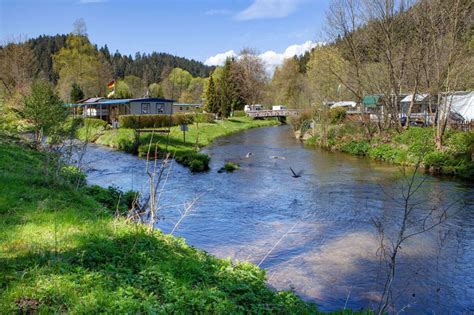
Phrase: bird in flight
pixel 296 175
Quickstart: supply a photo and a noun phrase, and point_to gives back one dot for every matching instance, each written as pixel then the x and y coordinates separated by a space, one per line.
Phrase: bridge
pixel 281 114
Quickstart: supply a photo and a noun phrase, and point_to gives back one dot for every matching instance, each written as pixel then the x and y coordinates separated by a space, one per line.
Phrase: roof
pixel 418 98
pixel 90 100
pixel 178 104
pixel 106 101
pixel 371 100
pixel 345 104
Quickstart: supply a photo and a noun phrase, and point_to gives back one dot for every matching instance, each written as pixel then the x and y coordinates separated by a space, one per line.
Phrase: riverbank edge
pixel 185 153
pixel 62 250
pixel 359 147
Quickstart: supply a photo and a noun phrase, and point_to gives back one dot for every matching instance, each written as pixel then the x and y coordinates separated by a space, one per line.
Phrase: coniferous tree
pixel 43 109
pixel 227 90
pixel 211 97
pixel 76 93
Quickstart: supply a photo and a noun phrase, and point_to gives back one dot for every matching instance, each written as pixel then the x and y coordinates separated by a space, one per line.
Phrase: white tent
pixel 462 105
pixel 345 104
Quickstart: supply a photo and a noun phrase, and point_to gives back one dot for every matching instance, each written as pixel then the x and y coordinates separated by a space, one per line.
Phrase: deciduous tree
pixel 248 73
pixel 80 62
pixel 155 90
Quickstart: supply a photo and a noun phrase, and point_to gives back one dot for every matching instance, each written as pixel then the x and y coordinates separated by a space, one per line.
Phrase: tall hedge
pixel 159 121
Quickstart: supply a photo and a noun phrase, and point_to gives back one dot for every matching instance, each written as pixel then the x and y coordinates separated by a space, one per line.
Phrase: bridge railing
pixel 273 113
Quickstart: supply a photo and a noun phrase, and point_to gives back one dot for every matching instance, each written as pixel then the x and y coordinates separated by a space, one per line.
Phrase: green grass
pixel 123 139
pixel 230 167
pixel 63 251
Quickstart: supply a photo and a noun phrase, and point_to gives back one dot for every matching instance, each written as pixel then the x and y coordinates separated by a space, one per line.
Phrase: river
pixel 320 225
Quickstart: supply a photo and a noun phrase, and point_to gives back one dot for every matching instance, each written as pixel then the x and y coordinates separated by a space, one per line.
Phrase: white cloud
pixel 260 9
pixel 271 58
pixel 219 59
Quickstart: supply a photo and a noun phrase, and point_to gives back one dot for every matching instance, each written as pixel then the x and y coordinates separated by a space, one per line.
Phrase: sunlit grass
pixel 61 251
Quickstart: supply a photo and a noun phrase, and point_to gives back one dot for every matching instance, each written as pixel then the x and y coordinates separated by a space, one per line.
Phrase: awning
pixel 418 98
pixel 371 100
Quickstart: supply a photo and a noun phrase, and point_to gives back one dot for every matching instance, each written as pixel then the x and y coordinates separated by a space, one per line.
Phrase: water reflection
pixel 330 254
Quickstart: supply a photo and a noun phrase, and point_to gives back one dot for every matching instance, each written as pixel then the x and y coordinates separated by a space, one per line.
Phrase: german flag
pixel 111 84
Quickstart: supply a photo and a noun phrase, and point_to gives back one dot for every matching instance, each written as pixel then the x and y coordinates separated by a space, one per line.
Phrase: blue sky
pixel 197 29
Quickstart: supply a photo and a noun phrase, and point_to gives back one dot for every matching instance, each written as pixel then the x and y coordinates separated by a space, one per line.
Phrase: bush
pixel 144 121
pixel 435 159
pixel 459 143
pixel 230 167
pixel 386 152
pixel 337 115
pixel 197 162
pixel 94 123
pixel 159 121
pixel 297 121
pixel 91 128
pixel 239 113
pixel 73 175
pixel 112 198
pixel 446 163
pixel 356 147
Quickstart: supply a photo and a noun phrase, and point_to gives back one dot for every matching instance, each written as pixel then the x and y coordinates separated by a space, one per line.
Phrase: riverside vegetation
pixel 186 153
pixel 63 250
pixel 404 147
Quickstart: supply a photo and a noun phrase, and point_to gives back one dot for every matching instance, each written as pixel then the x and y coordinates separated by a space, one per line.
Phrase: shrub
pixel 144 121
pixel 91 128
pixel 386 152
pixel 197 162
pixel 112 198
pixel 459 143
pixel 356 147
pixel 297 121
pixel 159 121
pixel 230 167
pixel 205 117
pixel 435 159
pixel 94 123
pixel 239 113
pixel 337 115
pixel 73 175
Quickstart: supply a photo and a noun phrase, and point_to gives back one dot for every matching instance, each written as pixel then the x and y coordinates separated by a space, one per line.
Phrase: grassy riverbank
pixel 406 148
pixel 205 133
pixel 63 251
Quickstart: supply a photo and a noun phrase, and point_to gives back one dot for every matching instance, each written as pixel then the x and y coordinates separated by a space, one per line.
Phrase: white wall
pixel 153 108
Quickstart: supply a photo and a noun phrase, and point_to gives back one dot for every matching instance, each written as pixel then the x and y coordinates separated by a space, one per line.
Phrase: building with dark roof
pixel 110 109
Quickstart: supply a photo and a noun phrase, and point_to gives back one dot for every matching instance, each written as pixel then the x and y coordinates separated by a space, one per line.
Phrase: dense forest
pixel 149 67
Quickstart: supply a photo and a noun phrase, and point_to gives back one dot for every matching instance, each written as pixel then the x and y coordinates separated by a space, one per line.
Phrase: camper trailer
pixel 249 108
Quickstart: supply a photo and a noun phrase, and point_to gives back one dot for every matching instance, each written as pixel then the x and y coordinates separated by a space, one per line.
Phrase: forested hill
pixel 149 67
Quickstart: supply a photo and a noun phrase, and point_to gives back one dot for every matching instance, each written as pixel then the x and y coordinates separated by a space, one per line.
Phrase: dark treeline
pixel 150 67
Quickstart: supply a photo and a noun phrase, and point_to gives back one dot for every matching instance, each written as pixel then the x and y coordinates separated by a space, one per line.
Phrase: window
pixel 160 108
pixel 181 108
pixel 145 108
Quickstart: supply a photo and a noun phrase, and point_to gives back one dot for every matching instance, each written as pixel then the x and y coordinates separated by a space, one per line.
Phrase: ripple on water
pixel 329 254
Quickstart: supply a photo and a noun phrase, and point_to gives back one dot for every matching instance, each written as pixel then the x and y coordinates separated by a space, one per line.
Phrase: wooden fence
pixel 462 125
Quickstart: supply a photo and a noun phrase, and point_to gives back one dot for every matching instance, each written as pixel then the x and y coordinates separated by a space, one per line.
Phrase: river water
pixel 314 234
